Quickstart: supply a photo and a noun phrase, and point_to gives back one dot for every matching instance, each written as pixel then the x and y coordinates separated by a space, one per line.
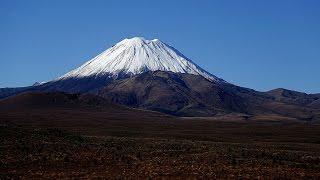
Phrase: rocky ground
pixel 255 150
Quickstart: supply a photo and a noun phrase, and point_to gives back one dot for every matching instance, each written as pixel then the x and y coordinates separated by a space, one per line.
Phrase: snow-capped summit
pixel 137 55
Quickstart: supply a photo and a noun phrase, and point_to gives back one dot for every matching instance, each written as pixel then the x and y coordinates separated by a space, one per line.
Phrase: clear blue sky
pixel 261 44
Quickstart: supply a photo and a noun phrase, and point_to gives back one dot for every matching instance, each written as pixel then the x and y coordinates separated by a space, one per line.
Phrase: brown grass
pixel 89 143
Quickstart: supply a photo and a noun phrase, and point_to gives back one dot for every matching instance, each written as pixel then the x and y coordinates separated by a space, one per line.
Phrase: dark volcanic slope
pixel 6 92
pixel 191 95
pixel 178 94
pixel 182 95
pixel 36 101
pixel 51 100
pixel 293 97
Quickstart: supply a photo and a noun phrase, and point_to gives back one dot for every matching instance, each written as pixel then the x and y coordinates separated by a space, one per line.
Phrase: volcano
pixel 152 75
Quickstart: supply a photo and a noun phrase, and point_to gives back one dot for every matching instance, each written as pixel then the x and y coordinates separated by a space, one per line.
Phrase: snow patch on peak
pixel 134 40
pixel 135 56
